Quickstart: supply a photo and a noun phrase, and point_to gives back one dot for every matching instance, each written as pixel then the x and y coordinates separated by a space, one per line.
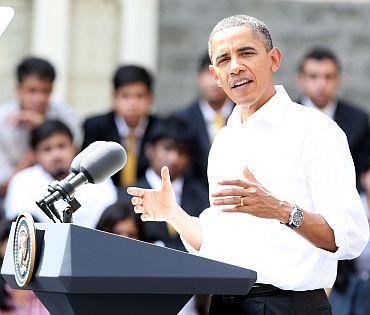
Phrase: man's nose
pixel 57 154
pixel 235 66
pixel 132 102
pixel 321 81
pixel 39 97
pixel 173 156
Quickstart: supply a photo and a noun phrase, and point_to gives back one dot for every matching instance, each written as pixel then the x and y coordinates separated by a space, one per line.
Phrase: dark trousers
pixel 268 300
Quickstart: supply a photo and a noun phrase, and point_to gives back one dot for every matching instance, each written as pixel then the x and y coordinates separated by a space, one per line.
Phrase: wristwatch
pixel 295 217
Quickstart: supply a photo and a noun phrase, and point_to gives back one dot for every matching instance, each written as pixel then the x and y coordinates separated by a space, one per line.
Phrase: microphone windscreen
pixel 103 162
pixel 76 163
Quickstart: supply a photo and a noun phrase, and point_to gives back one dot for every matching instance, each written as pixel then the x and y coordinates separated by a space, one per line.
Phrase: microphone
pixel 104 162
pixel 98 164
pixel 75 165
pixel 76 162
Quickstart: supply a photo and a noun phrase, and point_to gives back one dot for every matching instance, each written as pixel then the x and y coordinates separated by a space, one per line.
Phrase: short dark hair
pixel 259 28
pixel 46 130
pixel 35 66
pixel 204 62
pixel 319 53
pixel 132 74
pixel 173 128
pixel 120 210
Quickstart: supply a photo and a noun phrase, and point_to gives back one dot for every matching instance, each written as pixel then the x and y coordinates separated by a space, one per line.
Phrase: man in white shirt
pixel 32 107
pixel 282 185
pixel 52 143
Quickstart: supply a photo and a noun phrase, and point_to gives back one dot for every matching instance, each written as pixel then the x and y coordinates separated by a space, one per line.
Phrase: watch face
pixel 297 218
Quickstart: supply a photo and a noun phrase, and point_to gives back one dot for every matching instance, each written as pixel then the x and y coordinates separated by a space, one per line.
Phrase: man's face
pixel 55 155
pixel 243 67
pixel 320 81
pixel 34 93
pixel 166 152
pixel 132 102
pixel 209 89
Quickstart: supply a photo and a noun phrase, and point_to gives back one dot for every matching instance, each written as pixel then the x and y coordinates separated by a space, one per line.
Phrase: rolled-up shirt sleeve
pixel 188 247
pixel 332 182
pixel 207 226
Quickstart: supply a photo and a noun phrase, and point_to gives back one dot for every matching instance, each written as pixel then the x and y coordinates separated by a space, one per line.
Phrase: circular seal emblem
pixel 24 249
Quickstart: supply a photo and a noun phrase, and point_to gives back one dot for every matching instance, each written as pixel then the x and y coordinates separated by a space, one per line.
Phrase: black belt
pixel 260 289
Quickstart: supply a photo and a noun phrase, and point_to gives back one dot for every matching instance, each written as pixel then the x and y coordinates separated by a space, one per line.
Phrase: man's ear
pixel 214 74
pixel 276 57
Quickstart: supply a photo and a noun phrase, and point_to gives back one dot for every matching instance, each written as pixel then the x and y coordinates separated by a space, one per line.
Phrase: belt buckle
pixel 228 297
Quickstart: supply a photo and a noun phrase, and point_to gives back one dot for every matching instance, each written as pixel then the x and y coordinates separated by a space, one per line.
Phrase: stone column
pixel 49 38
pixel 139 32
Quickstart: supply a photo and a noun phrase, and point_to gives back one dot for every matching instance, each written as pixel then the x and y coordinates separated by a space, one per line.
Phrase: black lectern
pixel 84 271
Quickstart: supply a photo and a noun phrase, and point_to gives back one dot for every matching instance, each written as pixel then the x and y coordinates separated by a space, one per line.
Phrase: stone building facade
pixel 87 39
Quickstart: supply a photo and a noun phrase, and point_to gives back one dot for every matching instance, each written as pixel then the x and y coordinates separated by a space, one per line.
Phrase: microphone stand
pixel 73 205
pixel 49 209
pixel 64 190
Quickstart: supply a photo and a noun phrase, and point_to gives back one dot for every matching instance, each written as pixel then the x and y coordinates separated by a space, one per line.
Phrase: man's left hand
pixel 251 197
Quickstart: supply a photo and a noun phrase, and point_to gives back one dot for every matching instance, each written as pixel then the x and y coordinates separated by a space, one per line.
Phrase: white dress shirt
pixel 300 156
pixel 30 184
pixel 209 115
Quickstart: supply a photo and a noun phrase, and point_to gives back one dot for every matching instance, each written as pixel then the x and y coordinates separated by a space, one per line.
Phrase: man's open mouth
pixel 240 83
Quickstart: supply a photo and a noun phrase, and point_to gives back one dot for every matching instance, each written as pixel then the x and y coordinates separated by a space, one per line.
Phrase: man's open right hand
pixel 153 204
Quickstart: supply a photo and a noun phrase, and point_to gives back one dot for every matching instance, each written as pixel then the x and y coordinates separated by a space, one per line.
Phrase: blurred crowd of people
pixel 39 139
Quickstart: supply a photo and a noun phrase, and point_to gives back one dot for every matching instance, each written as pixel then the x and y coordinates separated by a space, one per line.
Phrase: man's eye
pixel 330 77
pixel 247 53
pixel 222 60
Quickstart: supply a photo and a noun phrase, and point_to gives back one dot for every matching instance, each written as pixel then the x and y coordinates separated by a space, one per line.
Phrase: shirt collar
pixel 209 113
pixel 123 128
pixel 329 109
pixel 41 169
pixel 272 111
